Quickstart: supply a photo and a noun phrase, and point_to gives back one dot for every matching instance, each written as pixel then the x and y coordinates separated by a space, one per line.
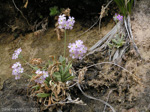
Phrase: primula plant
pixel 51 80
pixel 17 68
pixel 65 24
pixel 117 17
pixel 77 49
pixel 118 41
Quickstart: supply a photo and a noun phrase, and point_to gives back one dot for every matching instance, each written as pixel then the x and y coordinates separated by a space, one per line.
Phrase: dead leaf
pixel 58 88
pixel 36 77
pixel 49 101
pixel 66 12
pixel 81 74
pixel 26 4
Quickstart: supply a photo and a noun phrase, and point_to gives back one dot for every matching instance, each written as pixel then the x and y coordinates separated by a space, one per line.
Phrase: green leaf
pixel 63 73
pixel 36 86
pixel 54 11
pixel 114 41
pixel 118 42
pixel 34 74
pixel 110 45
pixel 70 78
pixel 48 79
pixel 61 69
pixel 62 60
pixel 35 68
pixel 57 75
pixel 43 95
pixel 66 71
pixel 47 82
pixel 129 5
pixel 50 62
pixel 67 75
pixel 125 9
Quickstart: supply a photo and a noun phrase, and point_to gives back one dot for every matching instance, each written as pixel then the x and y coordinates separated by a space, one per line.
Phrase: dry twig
pixel 95 98
pixel 98 20
pixel 107 99
pixel 135 77
pixel 21 13
pixel 129 31
pixel 102 13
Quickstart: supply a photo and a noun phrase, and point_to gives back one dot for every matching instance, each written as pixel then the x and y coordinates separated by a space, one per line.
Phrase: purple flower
pixel 71 45
pixel 80 56
pixel 61 19
pixel 17 76
pixel 73 50
pixel 115 17
pixel 66 24
pixel 73 55
pixel 60 26
pixel 70 25
pixel 15 56
pixel 15 71
pixel 119 17
pixel 71 20
pixel 16 53
pixel 38 72
pixel 17 64
pixel 20 70
pixel 79 43
pixel 40 80
pixel 14 66
pixel 84 49
pixel 45 74
pixel 80 50
pixel 77 49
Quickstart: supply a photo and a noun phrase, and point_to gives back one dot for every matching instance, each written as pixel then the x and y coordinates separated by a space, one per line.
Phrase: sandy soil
pixel 43 46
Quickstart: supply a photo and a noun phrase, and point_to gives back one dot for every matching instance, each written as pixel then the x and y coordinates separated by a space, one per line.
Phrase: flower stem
pixel 27 75
pixel 65 45
pixel 20 56
pixel 117 26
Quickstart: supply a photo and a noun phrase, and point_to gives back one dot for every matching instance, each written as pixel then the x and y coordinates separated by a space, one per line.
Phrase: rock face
pixel 14 98
pixel 36 10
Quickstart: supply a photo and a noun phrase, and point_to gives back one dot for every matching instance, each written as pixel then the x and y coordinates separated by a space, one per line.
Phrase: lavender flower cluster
pixel 41 78
pixel 17 70
pixel 118 17
pixel 64 23
pixel 77 49
pixel 16 53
